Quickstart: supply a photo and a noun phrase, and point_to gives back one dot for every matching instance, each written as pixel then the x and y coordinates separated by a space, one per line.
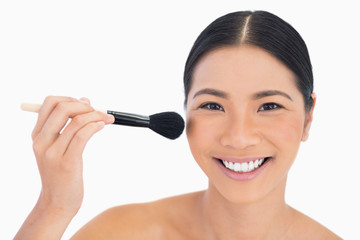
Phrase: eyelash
pixel 212 106
pixel 217 107
pixel 273 107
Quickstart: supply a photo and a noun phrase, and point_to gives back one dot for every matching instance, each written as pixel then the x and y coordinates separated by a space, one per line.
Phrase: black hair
pixel 261 29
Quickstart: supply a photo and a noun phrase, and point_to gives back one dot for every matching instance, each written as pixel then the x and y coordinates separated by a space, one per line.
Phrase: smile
pixel 245 166
pixel 243 169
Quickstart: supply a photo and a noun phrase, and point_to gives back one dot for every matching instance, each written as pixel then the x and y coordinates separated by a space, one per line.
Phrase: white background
pixel 130 57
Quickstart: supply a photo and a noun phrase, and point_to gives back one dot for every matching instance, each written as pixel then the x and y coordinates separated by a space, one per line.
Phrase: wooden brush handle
pixel 34 107
pixel 31 107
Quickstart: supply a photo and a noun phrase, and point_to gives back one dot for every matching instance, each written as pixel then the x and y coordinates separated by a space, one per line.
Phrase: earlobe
pixel 308 120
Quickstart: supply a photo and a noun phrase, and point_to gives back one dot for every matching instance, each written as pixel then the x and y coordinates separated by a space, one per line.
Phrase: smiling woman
pixel 249 104
pixel 258 117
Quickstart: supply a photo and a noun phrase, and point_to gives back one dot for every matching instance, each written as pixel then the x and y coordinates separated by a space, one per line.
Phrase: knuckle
pixel 49 99
pixel 58 101
pixel 91 108
pixel 78 121
pixel 37 147
pixel 62 107
pixel 33 135
pixel 88 107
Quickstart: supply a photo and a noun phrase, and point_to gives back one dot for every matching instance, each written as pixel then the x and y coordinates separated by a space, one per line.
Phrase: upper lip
pixel 239 160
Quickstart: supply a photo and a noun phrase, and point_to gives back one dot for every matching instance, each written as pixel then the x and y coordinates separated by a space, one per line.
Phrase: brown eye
pixel 269 107
pixel 212 107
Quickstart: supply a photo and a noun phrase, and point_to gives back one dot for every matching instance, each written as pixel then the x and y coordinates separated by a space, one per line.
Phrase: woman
pixel 249 103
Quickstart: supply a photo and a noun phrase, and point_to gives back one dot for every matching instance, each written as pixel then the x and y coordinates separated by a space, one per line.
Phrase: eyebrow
pixel 213 92
pixel 268 93
pixel 256 96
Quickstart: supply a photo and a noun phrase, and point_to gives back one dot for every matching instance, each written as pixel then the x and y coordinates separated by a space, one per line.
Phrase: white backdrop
pixel 130 57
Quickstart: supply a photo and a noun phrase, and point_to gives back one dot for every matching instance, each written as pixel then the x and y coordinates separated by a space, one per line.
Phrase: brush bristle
pixel 168 124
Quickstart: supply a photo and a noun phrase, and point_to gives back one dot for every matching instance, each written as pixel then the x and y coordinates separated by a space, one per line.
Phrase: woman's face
pixel 244 106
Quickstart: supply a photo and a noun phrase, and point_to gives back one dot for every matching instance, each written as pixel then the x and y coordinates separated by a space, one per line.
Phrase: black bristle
pixel 168 124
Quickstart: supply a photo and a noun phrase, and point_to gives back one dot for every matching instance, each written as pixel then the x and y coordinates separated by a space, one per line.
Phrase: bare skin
pixel 59 159
pixel 180 218
pixel 235 119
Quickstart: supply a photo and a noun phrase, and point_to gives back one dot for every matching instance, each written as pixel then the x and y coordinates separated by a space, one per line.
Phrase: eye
pixel 212 106
pixel 269 107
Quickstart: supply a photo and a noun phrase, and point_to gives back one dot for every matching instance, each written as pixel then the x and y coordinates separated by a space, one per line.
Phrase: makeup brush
pixel 168 124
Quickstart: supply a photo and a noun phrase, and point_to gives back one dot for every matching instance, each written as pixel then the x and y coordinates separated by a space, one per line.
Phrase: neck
pixel 260 219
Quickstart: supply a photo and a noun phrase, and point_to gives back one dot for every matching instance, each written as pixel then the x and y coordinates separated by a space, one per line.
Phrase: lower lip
pixel 242 176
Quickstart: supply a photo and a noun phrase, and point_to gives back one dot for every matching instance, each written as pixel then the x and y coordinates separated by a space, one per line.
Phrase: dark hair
pixel 261 29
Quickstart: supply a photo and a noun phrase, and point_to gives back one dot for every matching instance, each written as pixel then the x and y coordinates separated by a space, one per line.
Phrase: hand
pixel 58 149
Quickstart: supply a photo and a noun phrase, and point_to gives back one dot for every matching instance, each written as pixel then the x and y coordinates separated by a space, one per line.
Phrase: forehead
pixel 242 69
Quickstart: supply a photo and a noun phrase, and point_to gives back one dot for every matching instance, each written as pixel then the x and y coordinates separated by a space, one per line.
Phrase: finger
pixel 80 139
pixel 46 109
pixel 85 100
pixel 60 116
pixel 78 122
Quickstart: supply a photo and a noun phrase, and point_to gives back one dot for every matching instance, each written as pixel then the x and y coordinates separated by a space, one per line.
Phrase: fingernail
pixel 110 118
pixel 84 100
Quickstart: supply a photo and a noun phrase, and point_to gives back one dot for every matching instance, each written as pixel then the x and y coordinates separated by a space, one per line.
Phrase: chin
pixel 243 196
pixel 245 193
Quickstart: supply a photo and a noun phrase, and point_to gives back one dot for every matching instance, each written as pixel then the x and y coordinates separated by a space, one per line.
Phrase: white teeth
pixel 261 161
pixel 237 167
pixel 243 167
pixel 231 165
pixel 251 166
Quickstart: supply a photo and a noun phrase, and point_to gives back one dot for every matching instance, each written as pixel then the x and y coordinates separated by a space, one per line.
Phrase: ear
pixel 308 120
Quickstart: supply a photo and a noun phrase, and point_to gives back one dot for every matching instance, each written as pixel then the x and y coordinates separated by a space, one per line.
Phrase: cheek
pixel 285 133
pixel 200 134
pixel 292 129
pixel 284 136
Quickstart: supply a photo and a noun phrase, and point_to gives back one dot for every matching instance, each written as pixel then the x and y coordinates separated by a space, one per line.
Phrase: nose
pixel 240 132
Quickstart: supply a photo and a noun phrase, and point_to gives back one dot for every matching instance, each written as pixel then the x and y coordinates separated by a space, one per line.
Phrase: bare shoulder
pixel 154 220
pixel 307 228
pixel 134 221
